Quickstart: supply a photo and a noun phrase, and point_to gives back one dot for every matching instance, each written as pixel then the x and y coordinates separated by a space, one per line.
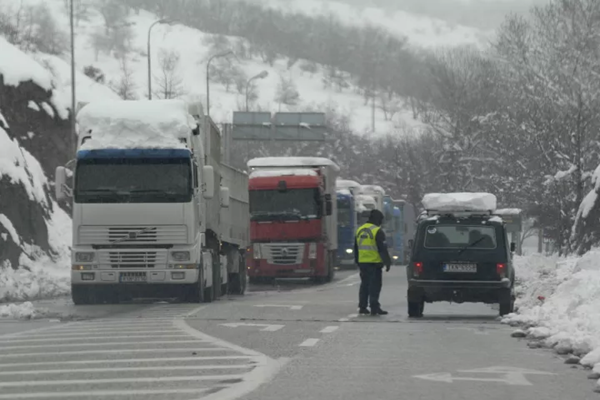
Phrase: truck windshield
pixel 292 204
pixel 136 180
pixel 460 237
pixel 344 213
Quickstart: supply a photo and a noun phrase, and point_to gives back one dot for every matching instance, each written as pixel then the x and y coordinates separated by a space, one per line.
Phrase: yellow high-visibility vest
pixel 367 245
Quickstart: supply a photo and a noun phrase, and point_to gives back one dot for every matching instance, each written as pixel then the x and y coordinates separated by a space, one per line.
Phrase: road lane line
pixel 87 332
pixel 309 342
pixel 102 393
pixel 348 279
pixel 124 361
pixel 154 379
pixel 125 369
pixel 329 329
pixel 59 339
pixel 111 351
pixel 97 344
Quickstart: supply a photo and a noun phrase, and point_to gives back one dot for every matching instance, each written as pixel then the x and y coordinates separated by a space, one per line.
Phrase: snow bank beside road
pixel 558 300
pixel 19 311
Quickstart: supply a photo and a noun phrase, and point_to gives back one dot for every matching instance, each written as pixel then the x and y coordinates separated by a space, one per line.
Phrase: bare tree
pixel 287 93
pixel 169 82
pixel 81 10
pixel 126 86
pixel 114 13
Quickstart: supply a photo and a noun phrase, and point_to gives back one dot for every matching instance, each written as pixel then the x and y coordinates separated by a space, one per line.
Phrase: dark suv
pixel 461 259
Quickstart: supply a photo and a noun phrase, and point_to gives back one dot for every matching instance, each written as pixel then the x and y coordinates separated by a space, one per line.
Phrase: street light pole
pixel 218 55
pixel 73 79
pixel 160 21
pixel 262 75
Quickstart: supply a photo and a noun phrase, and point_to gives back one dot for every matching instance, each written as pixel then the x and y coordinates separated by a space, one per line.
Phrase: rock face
pixel 34 139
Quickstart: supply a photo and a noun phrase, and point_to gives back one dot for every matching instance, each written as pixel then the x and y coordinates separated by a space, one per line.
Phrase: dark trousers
pixel 370 285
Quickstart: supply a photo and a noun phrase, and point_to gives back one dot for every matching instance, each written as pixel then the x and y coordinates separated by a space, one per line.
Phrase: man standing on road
pixel 371 254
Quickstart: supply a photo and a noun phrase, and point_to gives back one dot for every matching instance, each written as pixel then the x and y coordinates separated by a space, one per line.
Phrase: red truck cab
pixel 291 219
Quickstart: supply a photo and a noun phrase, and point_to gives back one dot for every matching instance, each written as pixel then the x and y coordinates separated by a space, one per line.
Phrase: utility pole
pixel 73 80
pixel 160 21
pixel 373 113
pixel 262 75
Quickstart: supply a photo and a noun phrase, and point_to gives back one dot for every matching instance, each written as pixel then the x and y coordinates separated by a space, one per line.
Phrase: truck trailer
pixel 293 226
pixel 148 220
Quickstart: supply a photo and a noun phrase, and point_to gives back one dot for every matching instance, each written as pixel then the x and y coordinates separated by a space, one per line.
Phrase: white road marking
pixel 474 330
pixel 88 338
pixel 125 361
pixel 309 342
pixel 511 376
pixel 291 307
pixel 329 329
pixel 153 379
pixel 100 393
pixel 125 369
pixel 98 344
pixel 111 351
pixel 266 327
pixel 353 276
pixel 151 329
pixel 348 318
pixel 86 333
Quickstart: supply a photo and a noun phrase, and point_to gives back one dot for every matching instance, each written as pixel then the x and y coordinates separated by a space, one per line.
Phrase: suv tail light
pixel 501 270
pixel 417 268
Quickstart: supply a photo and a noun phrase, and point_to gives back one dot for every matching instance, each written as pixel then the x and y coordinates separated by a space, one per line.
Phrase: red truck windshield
pixel 292 204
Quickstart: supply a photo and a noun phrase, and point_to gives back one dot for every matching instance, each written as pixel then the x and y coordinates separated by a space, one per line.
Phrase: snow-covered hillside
pixel 40 252
pixel 192 48
pixel 421 31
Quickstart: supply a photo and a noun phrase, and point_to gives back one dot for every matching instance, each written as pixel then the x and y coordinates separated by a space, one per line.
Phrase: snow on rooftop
pixel 365 199
pixel 508 211
pixel 282 172
pixel 459 201
pixel 372 189
pixel 17 67
pixel 135 124
pixel 346 184
pixel 344 192
pixel 292 162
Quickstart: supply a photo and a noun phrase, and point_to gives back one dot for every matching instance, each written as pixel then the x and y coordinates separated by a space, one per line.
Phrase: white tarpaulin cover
pixel 459 201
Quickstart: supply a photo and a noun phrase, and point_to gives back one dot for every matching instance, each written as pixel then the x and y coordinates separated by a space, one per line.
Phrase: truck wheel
pixel 208 295
pixel 331 272
pixel 237 282
pixel 415 309
pixel 507 303
pixel 81 295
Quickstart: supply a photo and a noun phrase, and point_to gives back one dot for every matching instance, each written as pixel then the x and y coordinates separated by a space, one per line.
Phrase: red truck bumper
pixel 298 260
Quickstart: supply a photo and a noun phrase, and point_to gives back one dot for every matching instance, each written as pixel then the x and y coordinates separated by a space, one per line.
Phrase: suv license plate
pixel 469 268
pixel 131 278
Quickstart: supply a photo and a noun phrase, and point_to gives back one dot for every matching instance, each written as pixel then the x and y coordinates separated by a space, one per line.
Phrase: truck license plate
pixel 468 268
pixel 133 277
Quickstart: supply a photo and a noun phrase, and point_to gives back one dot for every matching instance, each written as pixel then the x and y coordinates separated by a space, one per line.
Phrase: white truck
pixel 370 197
pixel 147 218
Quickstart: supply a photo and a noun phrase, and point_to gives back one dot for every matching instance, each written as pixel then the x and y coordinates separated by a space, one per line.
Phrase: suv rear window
pixel 459 236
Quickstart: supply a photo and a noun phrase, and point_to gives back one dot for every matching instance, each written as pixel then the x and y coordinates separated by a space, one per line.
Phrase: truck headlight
pixel 349 251
pixel 256 254
pixel 84 257
pixel 180 255
pixel 395 257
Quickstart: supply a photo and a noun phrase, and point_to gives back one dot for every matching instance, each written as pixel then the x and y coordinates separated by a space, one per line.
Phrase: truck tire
pixel 81 295
pixel 194 293
pixel 416 308
pixel 208 294
pixel 254 280
pixel 331 271
pixel 237 280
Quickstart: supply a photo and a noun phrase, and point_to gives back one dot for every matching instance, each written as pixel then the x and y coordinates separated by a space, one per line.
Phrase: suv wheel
pixel 507 303
pixel 415 309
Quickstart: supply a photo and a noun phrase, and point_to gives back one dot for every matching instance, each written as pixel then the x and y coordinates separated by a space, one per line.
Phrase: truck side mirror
pixel 225 197
pixel 61 189
pixel 328 207
pixel 513 247
pixel 411 243
pixel 208 186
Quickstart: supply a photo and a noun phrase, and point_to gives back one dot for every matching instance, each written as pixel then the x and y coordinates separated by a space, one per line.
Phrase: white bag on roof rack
pixel 457 202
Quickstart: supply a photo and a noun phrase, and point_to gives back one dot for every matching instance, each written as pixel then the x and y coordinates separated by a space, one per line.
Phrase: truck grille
pixel 132 259
pixel 283 253
pixel 104 235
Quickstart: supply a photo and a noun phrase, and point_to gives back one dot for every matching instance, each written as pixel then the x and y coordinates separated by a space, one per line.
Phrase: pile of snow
pixel 135 124
pixel 508 211
pixel 558 301
pixel 459 202
pixel 344 192
pixel 282 172
pixel 268 162
pixel 346 184
pixel 20 311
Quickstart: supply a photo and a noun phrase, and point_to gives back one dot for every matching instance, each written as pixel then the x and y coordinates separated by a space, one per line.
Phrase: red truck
pixel 293 218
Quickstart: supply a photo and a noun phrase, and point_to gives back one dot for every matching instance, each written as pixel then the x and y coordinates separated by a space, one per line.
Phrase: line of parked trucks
pixel 158 213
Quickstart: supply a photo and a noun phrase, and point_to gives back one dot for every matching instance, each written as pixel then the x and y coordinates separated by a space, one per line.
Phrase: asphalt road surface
pixel 283 341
